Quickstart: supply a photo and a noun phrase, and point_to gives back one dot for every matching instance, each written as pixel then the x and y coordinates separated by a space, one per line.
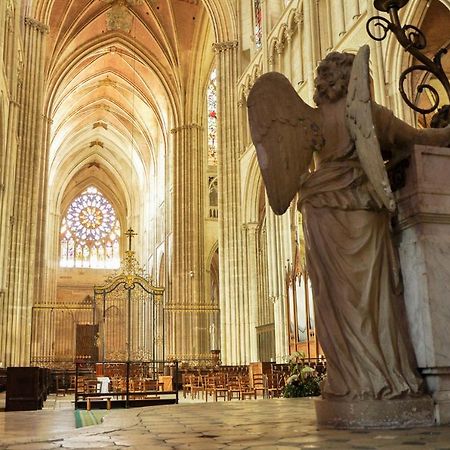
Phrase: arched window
pixel 90 231
pixel 212 118
pixel 258 23
pixel 213 198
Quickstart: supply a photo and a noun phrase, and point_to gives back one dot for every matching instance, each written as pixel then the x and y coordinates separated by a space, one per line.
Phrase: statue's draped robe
pixel 360 314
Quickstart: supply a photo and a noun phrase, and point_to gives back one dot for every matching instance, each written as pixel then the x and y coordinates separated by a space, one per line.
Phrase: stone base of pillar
pixel 437 380
pixel 401 413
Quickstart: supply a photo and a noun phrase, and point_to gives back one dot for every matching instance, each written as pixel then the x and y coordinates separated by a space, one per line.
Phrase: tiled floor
pixel 263 424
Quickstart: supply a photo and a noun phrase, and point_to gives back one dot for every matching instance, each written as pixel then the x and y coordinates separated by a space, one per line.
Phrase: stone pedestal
pixel 423 234
pixel 404 413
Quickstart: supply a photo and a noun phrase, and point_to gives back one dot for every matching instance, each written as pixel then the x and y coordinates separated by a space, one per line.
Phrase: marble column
pixel 232 297
pixel 423 234
pixel 184 305
pixel 27 233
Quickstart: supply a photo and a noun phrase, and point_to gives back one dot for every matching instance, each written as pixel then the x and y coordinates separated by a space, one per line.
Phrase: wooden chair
pixel 259 383
pixel 209 385
pixel 275 385
pixel 221 386
pixel 92 386
pixel 72 380
pixel 197 386
pixel 246 389
pixel 234 387
pixel 186 380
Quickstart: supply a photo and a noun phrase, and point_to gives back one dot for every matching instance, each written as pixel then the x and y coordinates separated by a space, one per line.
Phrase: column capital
pixel 189 126
pixel 252 227
pixel 220 47
pixel 279 47
pixel 44 29
pixel 288 35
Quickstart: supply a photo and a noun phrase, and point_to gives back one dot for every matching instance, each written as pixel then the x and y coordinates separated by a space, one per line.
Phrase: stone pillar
pixel 9 113
pixel 351 11
pixel 309 46
pixel 288 34
pixel 338 15
pixel 232 298
pixel 299 19
pixel 278 252
pixel 424 247
pixel 25 250
pixel 251 230
pixel 185 303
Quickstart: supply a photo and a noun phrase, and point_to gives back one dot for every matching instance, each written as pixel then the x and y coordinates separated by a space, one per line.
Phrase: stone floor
pixel 262 424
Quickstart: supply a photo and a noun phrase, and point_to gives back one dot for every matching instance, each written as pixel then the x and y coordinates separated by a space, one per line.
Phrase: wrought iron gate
pixel 130 312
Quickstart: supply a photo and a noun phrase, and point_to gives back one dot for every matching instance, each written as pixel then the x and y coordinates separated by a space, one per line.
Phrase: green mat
pixel 86 418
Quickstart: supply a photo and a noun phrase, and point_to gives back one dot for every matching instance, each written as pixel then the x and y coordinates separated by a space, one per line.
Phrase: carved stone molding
pixel 190 126
pixel 97 142
pixel 49 120
pixel 41 27
pixel 100 124
pixel 279 47
pixel 288 34
pixel 251 227
pixel 20 66
pixel 10 17
pixel 220 47
pixel 298 17
pixel 191 307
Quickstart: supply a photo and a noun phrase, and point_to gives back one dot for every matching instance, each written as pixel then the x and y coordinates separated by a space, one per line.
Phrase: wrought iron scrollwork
pixel 413 41
pixel 378 22
pixel 420 88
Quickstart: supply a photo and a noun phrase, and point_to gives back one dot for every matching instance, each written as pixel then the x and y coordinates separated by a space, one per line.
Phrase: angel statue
pixel 331 157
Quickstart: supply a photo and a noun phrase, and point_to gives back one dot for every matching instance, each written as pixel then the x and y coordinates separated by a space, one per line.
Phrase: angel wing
pixel 360 123
pixel 285 131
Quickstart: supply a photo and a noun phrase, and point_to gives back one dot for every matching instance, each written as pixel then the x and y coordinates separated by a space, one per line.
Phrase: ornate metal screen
pixel 130 312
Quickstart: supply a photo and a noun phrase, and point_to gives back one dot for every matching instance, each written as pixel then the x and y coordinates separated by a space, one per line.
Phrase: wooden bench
pixel 98 399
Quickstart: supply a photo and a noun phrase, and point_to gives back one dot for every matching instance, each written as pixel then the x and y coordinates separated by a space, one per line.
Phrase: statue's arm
pixel 397 136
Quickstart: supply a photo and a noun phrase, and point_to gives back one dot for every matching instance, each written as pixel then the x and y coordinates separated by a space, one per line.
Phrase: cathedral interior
pixel 126 151
pixel 134 221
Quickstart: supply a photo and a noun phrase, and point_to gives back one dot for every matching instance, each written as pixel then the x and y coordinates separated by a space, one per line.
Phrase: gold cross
pixel 130 233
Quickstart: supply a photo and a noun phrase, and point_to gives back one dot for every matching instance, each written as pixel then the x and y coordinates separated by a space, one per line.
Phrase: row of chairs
pixel 229 386
pixel 118 384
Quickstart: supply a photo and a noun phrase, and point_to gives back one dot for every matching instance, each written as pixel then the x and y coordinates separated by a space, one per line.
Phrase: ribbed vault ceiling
pixel 116 72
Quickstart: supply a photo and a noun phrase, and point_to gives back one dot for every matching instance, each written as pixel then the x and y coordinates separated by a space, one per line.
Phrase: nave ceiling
pixel 117 77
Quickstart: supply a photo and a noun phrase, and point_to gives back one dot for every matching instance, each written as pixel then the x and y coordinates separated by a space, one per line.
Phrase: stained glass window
pixel 258 23
pixel 90 231
pixel 212 118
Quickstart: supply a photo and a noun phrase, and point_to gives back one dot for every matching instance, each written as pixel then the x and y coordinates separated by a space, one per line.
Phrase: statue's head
pixel 333 76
